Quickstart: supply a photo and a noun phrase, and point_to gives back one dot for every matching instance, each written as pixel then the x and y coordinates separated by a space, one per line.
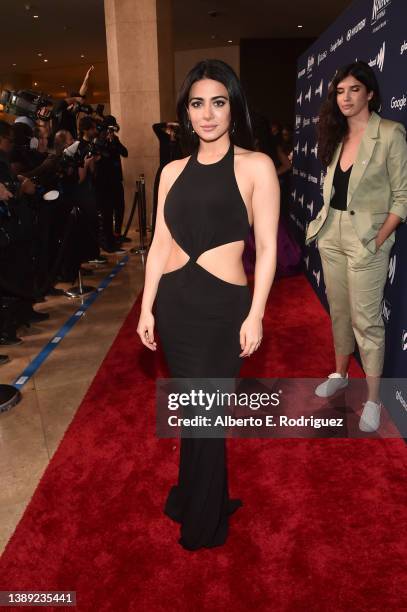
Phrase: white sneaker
pixel 330 386
pixel 370 417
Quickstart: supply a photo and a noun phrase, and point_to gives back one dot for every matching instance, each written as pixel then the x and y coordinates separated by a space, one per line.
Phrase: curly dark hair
pixel 332 125
pixel 240 117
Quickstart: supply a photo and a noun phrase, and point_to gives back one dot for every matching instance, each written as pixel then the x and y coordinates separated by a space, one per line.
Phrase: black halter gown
pixel 198 318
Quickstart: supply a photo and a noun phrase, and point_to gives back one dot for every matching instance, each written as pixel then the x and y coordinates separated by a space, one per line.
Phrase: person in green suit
pixel 364 200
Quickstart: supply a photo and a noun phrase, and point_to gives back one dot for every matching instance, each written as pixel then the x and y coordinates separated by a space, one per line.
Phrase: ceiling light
pixel 39 54
pixel 14 64
pixel 82 55
pixel 299 26
pixel 45 60
pixel 230 41
pixel 35 83
pixel 35 16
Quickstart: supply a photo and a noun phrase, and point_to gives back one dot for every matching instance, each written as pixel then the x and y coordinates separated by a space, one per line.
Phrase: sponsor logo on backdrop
pixel 392 268
pixel 400 398
pixel 310 64
pixel 297 147
pixel 398 103
pixel 386 310
pixel 297 222
pixel 312 179
pixel 299 99
pixel 378 61
pixel 322 56
pixel 404 340
pixel 301 73
pixel 315 119
pixel 304 149
pixel 293 194
pixel 322 178
pixel 310 207
pixel 335 45
pixel 306 122
pixel 303 174
pixel 295 171
pixel 355 30
pixel 301 200
pixel 319 89
pixel 317 276
pixel 308 94
pixel 403 48
pixel 314 151
pixel 298 120
pixel 379 10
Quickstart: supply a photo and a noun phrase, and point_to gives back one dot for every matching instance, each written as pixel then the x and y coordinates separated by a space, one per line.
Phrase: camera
pixel 26 102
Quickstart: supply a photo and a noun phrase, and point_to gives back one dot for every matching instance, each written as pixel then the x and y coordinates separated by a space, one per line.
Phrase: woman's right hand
pixel 145 330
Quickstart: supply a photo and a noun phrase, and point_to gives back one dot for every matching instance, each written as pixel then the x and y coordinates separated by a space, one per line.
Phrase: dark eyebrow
pixel 213 98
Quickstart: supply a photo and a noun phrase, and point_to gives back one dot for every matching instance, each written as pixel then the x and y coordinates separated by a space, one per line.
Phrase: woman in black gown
pixel 195 286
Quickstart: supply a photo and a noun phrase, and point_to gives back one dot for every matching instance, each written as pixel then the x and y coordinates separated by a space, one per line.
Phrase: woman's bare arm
pixel 160 248
pixel 266 211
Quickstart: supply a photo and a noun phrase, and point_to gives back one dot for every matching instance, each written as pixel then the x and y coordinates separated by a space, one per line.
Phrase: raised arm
pixel 266 211
pixel 84 87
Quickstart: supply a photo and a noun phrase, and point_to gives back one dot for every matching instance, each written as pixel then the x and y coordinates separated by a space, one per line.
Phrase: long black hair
pixel 332 125
pixel 240 130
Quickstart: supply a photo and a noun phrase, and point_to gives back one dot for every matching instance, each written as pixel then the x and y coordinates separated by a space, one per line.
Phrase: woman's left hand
pixel 251 334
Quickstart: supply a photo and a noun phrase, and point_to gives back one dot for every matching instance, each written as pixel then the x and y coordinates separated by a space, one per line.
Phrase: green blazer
pixel 377 183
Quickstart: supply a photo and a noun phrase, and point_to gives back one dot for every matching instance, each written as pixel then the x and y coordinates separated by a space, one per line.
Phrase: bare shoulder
pixel 256 162
pixel 173 169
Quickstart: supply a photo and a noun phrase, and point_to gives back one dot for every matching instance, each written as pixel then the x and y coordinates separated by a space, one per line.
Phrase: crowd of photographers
pixel 61 201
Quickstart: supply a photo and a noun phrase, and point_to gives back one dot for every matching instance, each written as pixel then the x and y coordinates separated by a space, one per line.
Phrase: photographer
pixel 16 237
pixel 109 185
pixel 84 192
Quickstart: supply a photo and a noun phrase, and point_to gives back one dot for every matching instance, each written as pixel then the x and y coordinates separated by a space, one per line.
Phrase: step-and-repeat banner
pixel 374 31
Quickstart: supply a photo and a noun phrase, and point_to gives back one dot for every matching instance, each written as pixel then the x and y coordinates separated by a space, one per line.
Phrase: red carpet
pixel 323 521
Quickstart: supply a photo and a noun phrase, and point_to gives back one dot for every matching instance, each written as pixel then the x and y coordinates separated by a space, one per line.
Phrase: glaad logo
pixel 308 95
pixel 386 310
pixel 304 149
pixel 297 147
pixel 298 120
pixel 404 340
pixel 378 61
pixel 314 151
pixel 379 9
pixel 310 207
pixel 317 276
pixel 301 73
pixel 294 194
pixel 403 48
pixel 398 103
pixel 392 268
pixel 306 122
pixel 357 28
pixel 318 90
pixel 299 99
pixel 301 200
